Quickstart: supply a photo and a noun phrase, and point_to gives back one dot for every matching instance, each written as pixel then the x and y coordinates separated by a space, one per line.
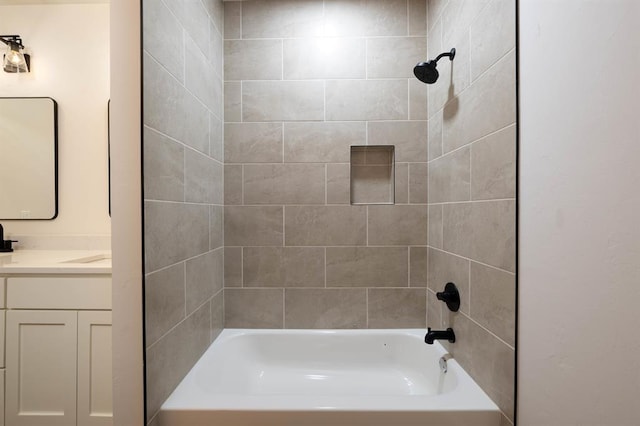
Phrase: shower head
pixel 426 72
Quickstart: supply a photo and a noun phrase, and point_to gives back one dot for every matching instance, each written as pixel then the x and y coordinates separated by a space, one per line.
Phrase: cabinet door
pixel 94 369
pixel 41 368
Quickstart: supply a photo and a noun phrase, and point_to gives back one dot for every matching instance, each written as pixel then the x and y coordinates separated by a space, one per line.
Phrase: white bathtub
pixel 326 377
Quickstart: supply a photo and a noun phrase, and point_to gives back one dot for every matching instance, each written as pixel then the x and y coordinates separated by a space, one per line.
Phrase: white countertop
pixel 56 262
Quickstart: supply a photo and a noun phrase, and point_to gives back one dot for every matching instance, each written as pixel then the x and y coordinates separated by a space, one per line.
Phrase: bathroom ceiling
pixel 24 2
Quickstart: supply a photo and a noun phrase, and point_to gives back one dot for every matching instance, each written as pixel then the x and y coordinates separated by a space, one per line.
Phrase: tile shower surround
pixel 471 195
pixel 297 253
pixel 183 188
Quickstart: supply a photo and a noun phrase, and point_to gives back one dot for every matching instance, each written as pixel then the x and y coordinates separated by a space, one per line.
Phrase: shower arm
pixel 450 54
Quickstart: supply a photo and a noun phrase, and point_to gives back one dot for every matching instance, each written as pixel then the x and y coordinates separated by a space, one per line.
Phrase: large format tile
pixel 232 184
pixel 338 184
pixel 493 300
pixel 215 9
pixel 321 141
pixel 283 266
pixel 324 58
pixel 233 266
pixel 454 76
pixel 408 137
pixel 200 78
pixel 284 184
pixel 418 100
pixel 326 308
pixel 457 18
pixel 398 225
pixel 217 315
pixel 241 59
pixel 203 179
pixel 281 19
pixel 216 227
pixel 418 17
pixel 232 18
pixel 253 143
pixel 325 225
pixel 394 57
pixel 204 278
pixel 397 307
pixel 486 106
pixel 216 138
pixel 367 266
pixel 171 358
pixel 418 266
pixel 493 166
pixel 435 136
pixel 434 35
pixel 174 232
pixel 232 101
pixel 164 301
pixel 194 19
pixel 435 8
pixel 366 100
pixel 163 37
pixel 216 49
pixel 492 35
pixel 365 17
pixel 418 183
pixel 163 167
pixel 483 231
pixel 434 226
pixel 253 226
pixel 450 177
pixel 434 310
pixel 171 109
pixel 489 361
pixel 447 268
pixel 401 183
pixel 253 307
pixel 282 100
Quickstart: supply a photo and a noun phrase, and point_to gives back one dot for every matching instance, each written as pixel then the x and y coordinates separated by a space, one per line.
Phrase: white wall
pixel 579 347
pixel 126 134
pixel 69 47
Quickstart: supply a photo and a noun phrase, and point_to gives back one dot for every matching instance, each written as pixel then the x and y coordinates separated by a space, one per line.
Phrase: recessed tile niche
pixel 372 174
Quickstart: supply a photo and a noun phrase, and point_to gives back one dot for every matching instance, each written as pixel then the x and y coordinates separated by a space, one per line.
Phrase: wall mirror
pixel 28 158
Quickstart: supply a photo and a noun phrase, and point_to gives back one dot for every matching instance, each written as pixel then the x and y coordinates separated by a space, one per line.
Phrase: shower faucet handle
pixel 450 296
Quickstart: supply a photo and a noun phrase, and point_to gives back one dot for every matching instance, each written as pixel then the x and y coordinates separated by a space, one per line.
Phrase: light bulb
pixel 14 59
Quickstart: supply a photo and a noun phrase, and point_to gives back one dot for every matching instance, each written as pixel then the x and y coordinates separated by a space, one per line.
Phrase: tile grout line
pixel 366 306
pixel 325 267
pixel 184 272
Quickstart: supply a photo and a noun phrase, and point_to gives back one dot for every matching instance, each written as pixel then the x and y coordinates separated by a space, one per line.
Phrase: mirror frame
pixel 55 154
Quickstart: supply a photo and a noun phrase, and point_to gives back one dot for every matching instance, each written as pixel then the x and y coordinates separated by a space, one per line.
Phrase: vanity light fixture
pixel 14 60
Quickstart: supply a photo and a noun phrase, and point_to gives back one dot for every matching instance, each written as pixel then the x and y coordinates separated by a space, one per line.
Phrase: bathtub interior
pixel 316 371
pixel 313 362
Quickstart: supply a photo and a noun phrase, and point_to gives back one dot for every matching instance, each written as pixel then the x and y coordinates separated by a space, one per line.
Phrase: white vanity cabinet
pixel 58 350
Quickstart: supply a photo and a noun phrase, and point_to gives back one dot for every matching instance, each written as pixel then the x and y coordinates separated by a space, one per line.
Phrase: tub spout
pixel 447 334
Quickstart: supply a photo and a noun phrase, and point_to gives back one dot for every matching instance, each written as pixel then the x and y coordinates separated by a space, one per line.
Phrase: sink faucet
pixel 447 334
pixel 5 245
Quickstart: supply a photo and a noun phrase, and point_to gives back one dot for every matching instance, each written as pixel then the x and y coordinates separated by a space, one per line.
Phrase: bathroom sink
pixel 89 259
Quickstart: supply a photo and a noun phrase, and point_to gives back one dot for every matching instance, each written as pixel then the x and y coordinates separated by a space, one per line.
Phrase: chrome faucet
pixel 447 334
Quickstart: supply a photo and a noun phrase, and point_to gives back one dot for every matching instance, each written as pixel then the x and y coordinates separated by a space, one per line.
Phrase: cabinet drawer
pixel 85 292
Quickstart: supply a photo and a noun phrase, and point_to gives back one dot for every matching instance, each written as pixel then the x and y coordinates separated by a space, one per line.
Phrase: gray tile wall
pixel 305 80
pixel 183 187
pixel 471 194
